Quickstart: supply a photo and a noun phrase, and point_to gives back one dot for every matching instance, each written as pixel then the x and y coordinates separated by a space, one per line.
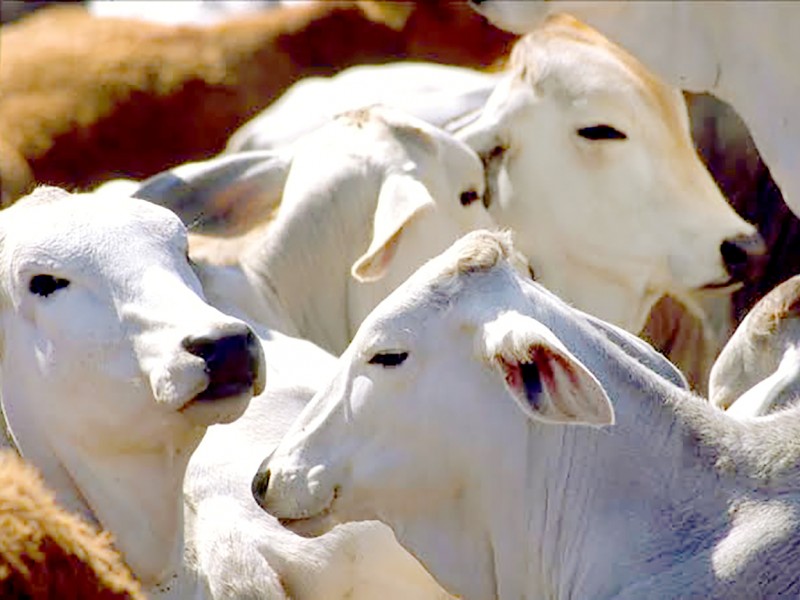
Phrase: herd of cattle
pixel 384 344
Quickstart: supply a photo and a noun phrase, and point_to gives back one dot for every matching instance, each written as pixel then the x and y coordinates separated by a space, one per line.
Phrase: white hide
pixel 589 159
pixel 435 93
pixel 367 199
pixel 742 52
pixel 456 417
pixel 758 370
pixel 609 225
pixel 78 389
pixel 179 12
pixel 102 392
pixel 248 553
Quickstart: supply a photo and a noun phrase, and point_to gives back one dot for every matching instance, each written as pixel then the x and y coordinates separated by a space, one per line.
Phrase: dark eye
pixel 601 132
pixel 389 359
pixel 496 153
pixel 44 285
pixel 469 197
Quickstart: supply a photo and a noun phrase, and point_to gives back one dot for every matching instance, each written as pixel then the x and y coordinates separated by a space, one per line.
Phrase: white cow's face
pixel 422 190
pixel 590 160
pixel 758 370
pixel 432 403
pixel 106 337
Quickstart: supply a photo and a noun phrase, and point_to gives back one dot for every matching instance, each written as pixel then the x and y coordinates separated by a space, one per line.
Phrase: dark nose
pixel 261 480
pixel 744 256
pixel 232 362
pixel 476 2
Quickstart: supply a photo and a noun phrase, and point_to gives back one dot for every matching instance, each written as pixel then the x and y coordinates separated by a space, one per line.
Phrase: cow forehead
pixel 580 62
pixel 85 225
pixel 476 267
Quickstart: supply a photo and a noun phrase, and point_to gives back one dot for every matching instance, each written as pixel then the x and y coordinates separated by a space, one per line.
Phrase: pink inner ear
pixel 513 373
pixel 546 362
pixel 541 358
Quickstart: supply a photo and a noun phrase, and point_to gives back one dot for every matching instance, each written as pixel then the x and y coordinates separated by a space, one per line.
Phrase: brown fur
pixel 86 99
pixel 684 338
pixel 48 553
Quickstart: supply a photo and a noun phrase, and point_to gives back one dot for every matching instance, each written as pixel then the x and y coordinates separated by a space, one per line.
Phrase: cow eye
pixel 469 197
pixel 601 132
pixel 44 285
pixel 389 359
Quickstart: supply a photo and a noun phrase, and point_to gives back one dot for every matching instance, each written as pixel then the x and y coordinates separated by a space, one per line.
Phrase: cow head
pixel 434 400
pixel 109 354
pixel 589 158
pixel 758 370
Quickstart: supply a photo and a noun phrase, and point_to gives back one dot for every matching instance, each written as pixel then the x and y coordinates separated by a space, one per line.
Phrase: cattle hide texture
pixel 48 553
pixel 88 99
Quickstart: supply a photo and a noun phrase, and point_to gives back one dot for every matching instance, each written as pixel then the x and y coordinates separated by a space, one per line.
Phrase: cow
pixel 47 552
pixel 758 369
pixel 113 365
pixel 730 50
pixel 308 240
pixel 159 95
pixel 625 201
pixel 573 102
pixel 519 454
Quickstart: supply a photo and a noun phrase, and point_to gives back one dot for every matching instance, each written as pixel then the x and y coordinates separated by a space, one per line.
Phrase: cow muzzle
pixel 744 257
pixel 298 498
pixel 233 362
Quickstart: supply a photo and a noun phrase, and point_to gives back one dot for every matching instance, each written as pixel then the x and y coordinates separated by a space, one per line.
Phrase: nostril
pixel 231 361
pixel 204 347
pixel 260 485
pixel 743 256
pixel 734 254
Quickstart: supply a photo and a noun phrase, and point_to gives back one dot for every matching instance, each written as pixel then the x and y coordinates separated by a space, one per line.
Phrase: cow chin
pixel 313 526
pixel 203 412
pixel 316 524
pixel 727 286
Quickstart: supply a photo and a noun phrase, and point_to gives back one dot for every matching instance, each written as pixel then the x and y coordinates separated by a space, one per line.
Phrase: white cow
pixel 182 12
pixel 438 94
pixel 102 312
pixel 112 365
pixel 758 370
pixel 589 159
pixel 609 224
pixel 249 554
pixel 742 52
pixel 365 200
pixel 459 417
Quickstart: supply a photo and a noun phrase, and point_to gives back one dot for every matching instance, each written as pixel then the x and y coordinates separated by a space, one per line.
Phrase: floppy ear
pixel 224 196
pixel 401 198
pixel 545 379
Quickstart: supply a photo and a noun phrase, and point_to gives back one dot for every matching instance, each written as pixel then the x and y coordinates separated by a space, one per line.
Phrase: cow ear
pixel 224 196
pixel 545 379
pixel 401 198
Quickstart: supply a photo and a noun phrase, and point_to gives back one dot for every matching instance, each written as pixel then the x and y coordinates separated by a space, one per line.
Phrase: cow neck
pixel 307 256
pixel 625 302
pixel 137 496
pixel 669 469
